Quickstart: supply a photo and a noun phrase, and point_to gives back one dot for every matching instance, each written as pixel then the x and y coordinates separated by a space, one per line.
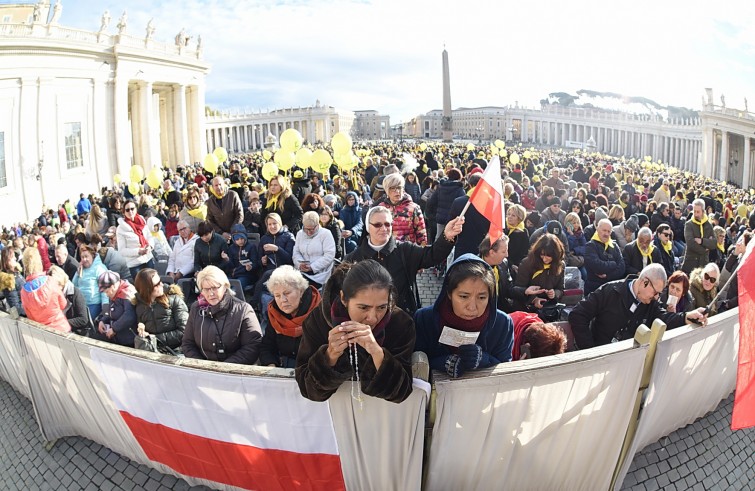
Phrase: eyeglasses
pixel 129 209
pixel 396 188
pixel 159 283
pixel 183 228
pixel 710 278
pixel 381 225
pixel 211 289
pixel 310 230
pixel 666 234
pixel 656 293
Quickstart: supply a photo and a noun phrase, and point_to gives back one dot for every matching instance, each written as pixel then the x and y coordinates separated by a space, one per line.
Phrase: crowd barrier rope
pixel 551 423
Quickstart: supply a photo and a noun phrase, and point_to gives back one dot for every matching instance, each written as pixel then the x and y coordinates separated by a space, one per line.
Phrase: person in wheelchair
pixel 539 284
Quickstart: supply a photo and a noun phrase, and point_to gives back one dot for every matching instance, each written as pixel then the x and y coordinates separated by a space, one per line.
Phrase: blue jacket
pixel 599 260
pixel 88 285
pixel 577 243
pixel 352 217
pixel 236 254
pixel 496 338
pixel 285 242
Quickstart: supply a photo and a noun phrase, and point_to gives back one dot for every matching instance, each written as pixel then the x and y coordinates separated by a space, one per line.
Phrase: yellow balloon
pixel 323 168
pixel 269 170
pixel 341 143
pixel 499 144
pixel 267 155
pixel 514 158
pixel 345 161
pixel 137 173
pixel 303 157
pixel 470 147
pixel 155 177
pixel 320 157
pixel 423 146
pixel 527 154
pixel 117 179
pixel 221 154
pixel 494 150
pixel 210 163
pixel 503 153
pixel 291 140
pixel 134 188
pixel 284 159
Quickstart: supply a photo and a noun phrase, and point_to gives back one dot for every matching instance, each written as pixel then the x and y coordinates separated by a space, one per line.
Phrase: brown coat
pixel 225 212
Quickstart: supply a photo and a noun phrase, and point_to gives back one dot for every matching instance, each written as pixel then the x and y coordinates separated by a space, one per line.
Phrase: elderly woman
pixel 117 323
pixel 357 334
pixel 293 299
pixel 467 303
pixel 703 284
pixel 280 200
pixel 159 310
pixel 519 238
pixel 221 327
pixel 676 295
pixel 133 240
pixel 41 296
pixel 718 255
pixel 408 220
pixel 85 279
pixel 194 211
pixel 540 279
pixel 76 310
pixel 314 250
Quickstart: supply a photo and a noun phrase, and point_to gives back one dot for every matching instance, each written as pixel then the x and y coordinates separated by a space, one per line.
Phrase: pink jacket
pixel 44 302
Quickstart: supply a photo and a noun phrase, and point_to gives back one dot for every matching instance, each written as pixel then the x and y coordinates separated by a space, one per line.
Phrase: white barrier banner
pixel 12 366
pixel 694 369
pixel 552 427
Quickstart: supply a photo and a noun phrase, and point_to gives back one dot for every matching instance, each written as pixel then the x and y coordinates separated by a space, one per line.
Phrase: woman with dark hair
pixel 357 334
pixel 328 221
pixel 412 187
pixel 540 279
pixel 578 208
pixel 466 307
pixel 133 240
pixel 115 211
pixel 160 311
pixel 210 249
pixel 676 295
pixel 353 225
pixel 85 279
pixel 312 202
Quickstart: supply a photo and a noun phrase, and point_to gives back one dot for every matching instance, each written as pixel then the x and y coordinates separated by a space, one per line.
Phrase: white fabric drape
pixel 12 366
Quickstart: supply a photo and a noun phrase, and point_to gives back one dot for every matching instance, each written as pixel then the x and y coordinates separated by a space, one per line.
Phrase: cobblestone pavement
pixel 705 455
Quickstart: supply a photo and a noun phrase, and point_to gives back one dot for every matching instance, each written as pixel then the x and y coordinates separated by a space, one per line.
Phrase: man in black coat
pixel 476 226
pixel 641 252
pixel 615 310
pixel 66 261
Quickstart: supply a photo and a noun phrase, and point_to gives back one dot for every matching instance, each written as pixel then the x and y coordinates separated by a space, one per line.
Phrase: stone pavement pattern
pixel 705 455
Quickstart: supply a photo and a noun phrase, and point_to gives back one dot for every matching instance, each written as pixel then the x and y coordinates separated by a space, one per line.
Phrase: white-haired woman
pixel 293 299
pixel 408 220
pixel 221 327
pixel 314 250
pixel 703 284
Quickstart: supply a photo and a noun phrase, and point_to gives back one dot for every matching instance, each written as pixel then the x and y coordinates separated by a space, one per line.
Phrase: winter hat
pixel 553 227
pixel 642 219
pixel 600 214
pixel 108 279
pixel 632 224
pixel 238 232
pixel 534 218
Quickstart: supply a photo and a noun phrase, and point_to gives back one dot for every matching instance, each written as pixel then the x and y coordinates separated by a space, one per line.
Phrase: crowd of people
pixel 317 272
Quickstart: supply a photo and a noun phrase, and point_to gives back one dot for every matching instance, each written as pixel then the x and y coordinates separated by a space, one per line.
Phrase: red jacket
pixel 44 302
pixel 44 251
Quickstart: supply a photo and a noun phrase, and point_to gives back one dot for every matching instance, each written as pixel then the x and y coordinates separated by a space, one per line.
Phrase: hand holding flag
pixel 487 198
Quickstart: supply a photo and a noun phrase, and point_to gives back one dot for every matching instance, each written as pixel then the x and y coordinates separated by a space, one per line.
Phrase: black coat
pixel 166 323
pixel 443 198
pixel 599 260
pixel 476 226
pixel 291 214
pixel 605 314
pixel 76 310
pixel 206 253
pixel 276 348
pixel 633 258
pixel 403 260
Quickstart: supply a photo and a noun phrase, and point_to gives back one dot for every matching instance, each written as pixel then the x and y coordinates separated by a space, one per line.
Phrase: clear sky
pixel 386 54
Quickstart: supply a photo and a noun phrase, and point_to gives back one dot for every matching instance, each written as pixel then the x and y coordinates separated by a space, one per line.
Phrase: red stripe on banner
pixel 242 466
pixel 743 414
pixel 489 203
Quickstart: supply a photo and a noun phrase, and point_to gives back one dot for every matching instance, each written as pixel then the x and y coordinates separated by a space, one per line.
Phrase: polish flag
pixel 249 432
pixel 487 197
pixel 743 414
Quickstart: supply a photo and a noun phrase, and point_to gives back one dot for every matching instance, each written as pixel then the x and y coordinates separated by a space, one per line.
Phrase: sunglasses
pixel 710 278
pixel 155 285
pixel 381 225
pixel 129 209
pixel 666 234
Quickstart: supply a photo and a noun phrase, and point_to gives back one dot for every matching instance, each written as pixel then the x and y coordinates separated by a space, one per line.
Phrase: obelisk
pixel 446 125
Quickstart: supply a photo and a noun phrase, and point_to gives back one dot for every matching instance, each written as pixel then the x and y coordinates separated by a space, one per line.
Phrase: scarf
pixel 125 290
pixel 272 202
pixel 137 225
pixel 214 193
pixel 623 205
pixel 596 238
pixel 647 254
pixel 497 278
pixel 448 318
pixel 339 314
pixel 199 212
pixel 291 326
pixel 720 247
pixel 700 223
pixel 667 247
pixel 541 271
pixel 511 229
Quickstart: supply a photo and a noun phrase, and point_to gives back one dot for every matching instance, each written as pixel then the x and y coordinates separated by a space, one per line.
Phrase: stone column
pixel 724 170
pixel 747 162
pixel 30 148
pixel 180 125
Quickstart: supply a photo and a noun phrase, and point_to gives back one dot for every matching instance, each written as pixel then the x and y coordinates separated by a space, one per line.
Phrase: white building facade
pixel 78 107
pixel 371 125
pixel 249 131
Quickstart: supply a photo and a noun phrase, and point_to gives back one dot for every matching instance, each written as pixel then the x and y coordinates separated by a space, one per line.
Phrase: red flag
pixel 487 197
pixel 743 415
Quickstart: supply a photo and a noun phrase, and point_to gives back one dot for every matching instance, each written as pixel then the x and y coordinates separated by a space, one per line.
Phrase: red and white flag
pixel 743 414
pixel 248 432
pixel 487 198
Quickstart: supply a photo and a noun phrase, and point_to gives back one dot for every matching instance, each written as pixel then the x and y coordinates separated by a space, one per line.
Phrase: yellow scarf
pixel 720 246
pixel 497 278
pixel 701 223
pixel 218 196
pixel 623 205
pixel 596 238
pixel 272 202
pixel 667 246
pixel 198 212
pixel 520 226
pixel 541 271
pixel 648 254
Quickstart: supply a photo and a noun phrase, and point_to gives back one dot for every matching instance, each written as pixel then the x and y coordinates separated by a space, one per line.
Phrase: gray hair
pixel 182 223
pixel 287 276
pixel 645 232
pixel 390 169
pixel 379 209
pixel 215 275
pixel 311 218
pixel 653 272
pixel 712 268
pixel 699 202
pixel 393 180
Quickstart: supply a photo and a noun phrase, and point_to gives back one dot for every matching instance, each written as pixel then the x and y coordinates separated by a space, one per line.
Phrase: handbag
pixel 147 343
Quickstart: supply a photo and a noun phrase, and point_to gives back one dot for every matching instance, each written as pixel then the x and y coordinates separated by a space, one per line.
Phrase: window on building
pixel 73 145
pixel 3 174
pixel 6 19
